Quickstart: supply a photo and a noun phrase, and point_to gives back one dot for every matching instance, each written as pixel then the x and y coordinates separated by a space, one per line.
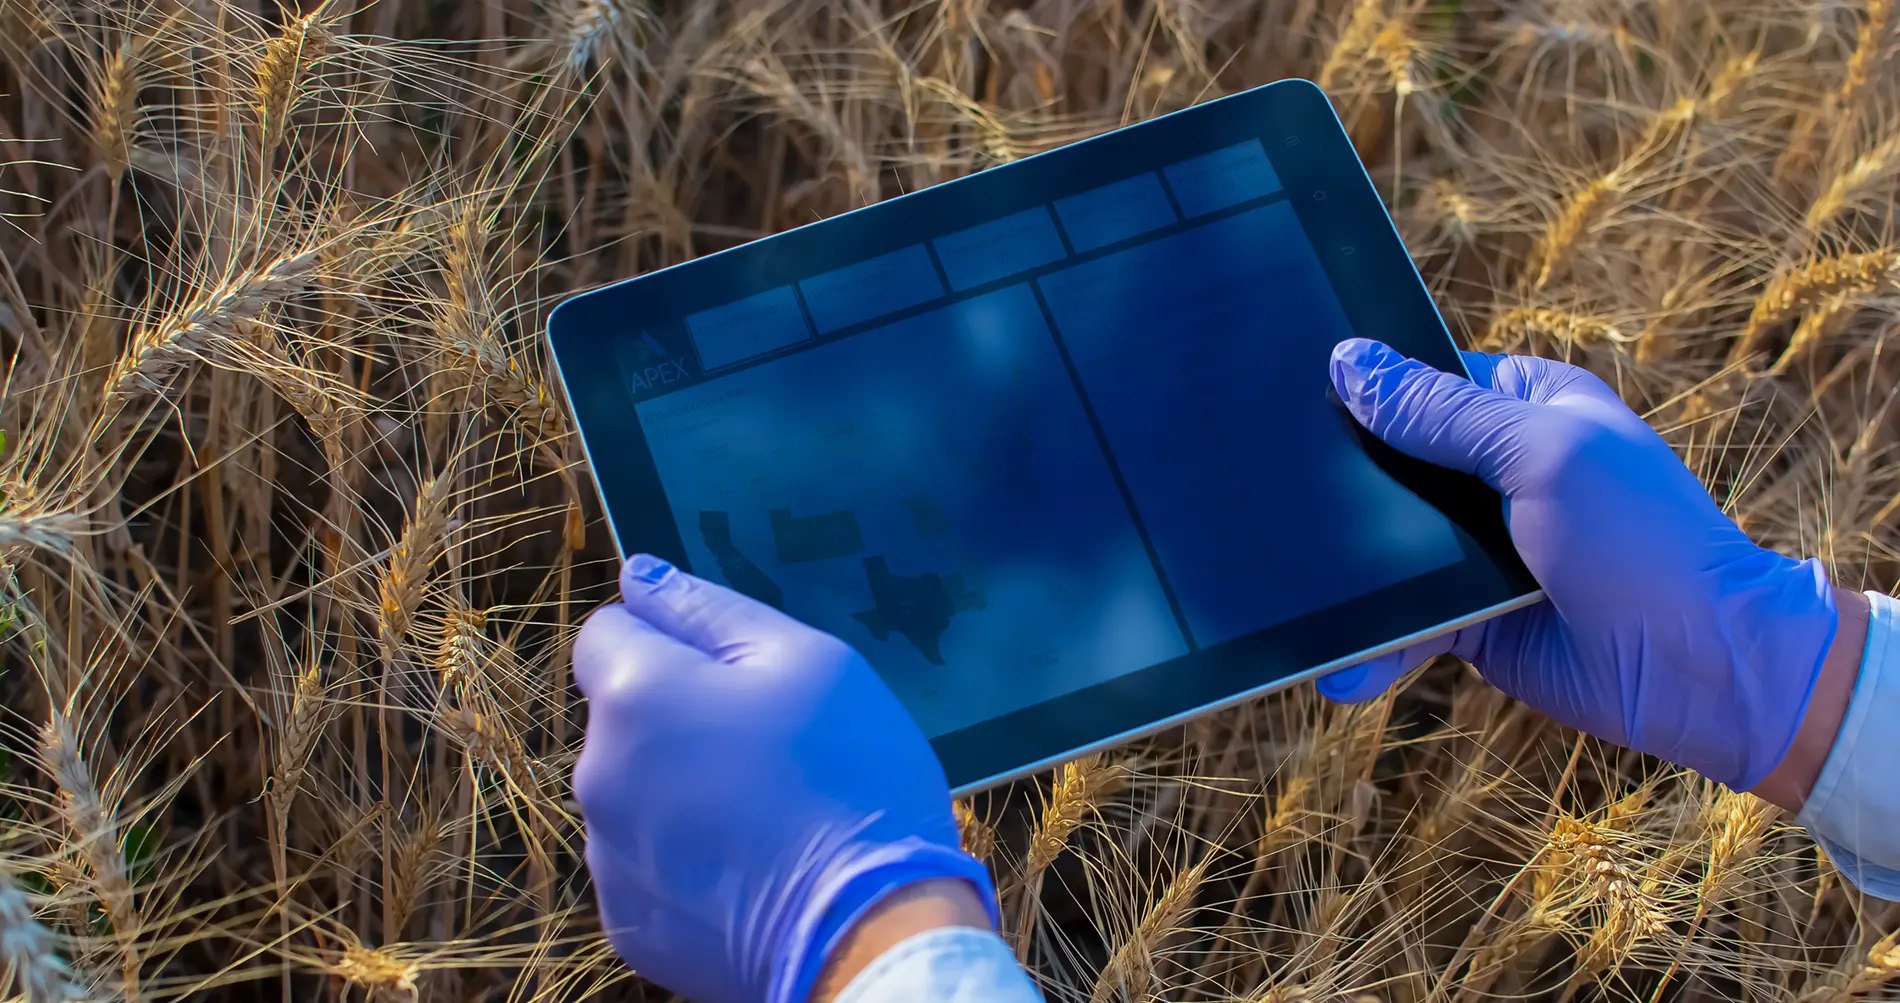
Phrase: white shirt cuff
pixel 952 964
pixel 1854 809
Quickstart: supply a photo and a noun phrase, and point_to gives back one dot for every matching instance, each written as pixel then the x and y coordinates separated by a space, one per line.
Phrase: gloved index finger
pixel 618 651
pixel 717 620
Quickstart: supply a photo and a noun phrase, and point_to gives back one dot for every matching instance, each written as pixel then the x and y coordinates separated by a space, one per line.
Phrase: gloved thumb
pixel 1435 416
pixel 1370 678
pixel 725 624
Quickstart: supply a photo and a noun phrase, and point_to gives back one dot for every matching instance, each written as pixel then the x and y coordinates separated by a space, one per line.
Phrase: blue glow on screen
pixel 1079 454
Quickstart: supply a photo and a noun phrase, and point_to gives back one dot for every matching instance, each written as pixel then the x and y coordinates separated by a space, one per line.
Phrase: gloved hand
pixel 1666 629
pixel 750 788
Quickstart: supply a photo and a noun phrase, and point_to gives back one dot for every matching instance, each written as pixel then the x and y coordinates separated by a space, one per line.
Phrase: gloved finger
pixel 1545 381
pixel 618 653
pixel 1369 679
pixel 725 624
pixel 1363 681
pixel 1435 416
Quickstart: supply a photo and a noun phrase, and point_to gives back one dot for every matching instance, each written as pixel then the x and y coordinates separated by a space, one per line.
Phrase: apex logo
pixel 649 364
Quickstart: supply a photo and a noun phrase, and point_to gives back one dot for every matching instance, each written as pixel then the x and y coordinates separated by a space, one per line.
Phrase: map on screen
pixel 1024 457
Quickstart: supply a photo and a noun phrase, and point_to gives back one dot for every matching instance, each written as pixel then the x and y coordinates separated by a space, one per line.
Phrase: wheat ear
pixel 1867 43
pixel 1841 191
pixel 424 539
pixel 1129 973
pixel 1557 325
pixel 115 102
pixel 1362 28
pixel 1078 788
pixel 1599 198
pixel 36 968
pixel 591 29
pixel 466 333
pixel 1796 289
pixel 491 744
pixel 377 970
pixel 1736 824
pixel 1882 965
pixel 297 737
pixel 95 833
pixel 281 71
pixel 52 531
pixel 976 834
pixel 459 650
pixel 208 328
pixel 409 874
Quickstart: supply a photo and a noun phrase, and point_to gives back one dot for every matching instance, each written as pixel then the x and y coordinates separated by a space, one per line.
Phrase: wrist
pixel 930 904
pixel 860 885
pixel 1789 783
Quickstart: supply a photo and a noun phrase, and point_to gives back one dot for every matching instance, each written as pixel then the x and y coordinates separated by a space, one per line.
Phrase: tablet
pixel 1053 445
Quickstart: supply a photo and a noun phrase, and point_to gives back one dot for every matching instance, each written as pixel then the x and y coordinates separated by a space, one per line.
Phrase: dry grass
pixel 294 539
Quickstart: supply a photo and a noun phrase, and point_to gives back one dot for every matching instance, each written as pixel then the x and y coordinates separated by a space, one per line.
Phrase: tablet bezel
pixel 1361 252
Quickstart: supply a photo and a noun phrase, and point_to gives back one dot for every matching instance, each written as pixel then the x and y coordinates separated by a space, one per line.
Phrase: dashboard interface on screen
pixel 1031 454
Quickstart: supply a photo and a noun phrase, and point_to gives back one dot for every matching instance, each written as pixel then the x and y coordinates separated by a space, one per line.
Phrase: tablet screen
pixel 1051 442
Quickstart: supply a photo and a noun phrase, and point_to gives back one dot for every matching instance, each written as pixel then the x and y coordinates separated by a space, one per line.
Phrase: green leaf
pixel 141 846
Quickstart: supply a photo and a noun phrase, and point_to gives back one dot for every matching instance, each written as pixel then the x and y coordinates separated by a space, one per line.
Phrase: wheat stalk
pixel 455 186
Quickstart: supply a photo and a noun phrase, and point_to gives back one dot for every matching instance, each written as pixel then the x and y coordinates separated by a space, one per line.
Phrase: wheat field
pixel 295 535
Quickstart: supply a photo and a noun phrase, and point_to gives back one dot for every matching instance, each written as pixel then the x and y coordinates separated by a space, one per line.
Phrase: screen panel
pixel 1052 444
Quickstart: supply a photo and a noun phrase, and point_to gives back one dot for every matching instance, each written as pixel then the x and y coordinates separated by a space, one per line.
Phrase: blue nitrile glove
pixel 750 786
pixel 1666 629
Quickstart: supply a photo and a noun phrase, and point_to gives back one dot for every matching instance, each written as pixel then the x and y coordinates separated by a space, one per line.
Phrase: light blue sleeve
pixel 953 964
pixel 1854 809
